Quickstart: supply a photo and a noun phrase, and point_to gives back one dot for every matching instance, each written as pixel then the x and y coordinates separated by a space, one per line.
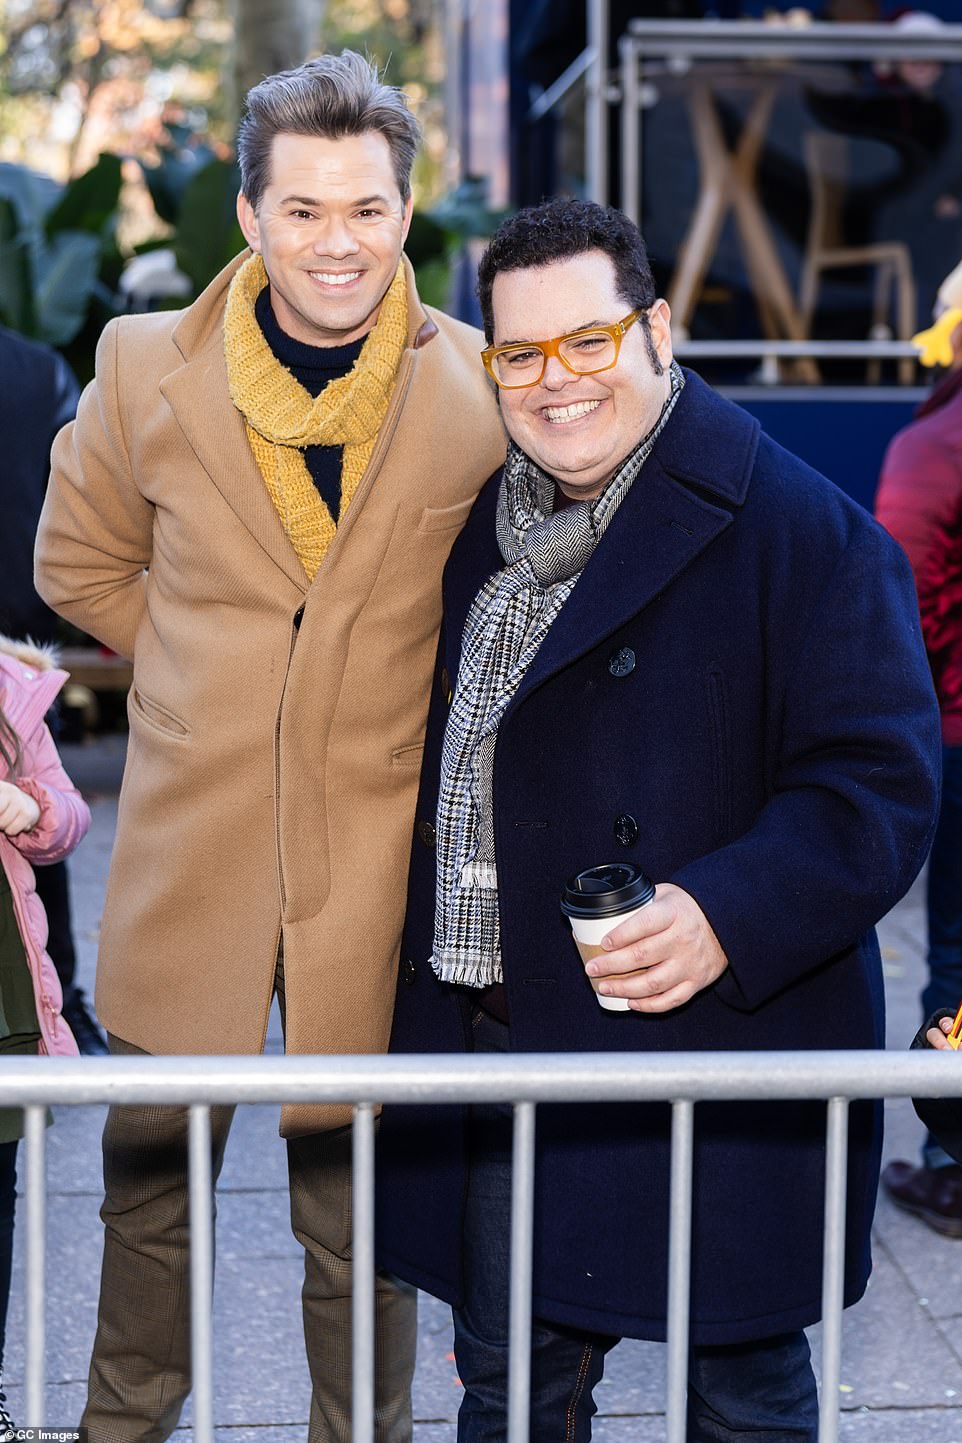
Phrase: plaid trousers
pixel 140 1368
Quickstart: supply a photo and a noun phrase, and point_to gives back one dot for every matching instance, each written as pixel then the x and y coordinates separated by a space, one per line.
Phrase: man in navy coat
pixel 666 641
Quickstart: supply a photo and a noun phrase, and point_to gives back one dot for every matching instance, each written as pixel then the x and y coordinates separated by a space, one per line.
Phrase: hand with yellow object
pixel 946 1032
pixel 935 344
pixel 922 1190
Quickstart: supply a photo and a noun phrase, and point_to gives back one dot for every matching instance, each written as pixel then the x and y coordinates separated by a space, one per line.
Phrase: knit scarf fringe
pixel 283 418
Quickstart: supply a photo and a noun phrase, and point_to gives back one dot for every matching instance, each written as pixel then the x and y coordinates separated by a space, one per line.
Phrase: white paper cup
pixel 588 933
pixel 595 903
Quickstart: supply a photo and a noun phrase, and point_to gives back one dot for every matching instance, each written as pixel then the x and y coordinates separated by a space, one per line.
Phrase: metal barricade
pixel 653 52
pixel 525 1080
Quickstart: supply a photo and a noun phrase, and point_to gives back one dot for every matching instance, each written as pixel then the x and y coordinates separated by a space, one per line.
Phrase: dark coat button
pixel 427 834
pixel 626 830
pixel 298 618
pixel 408 971
pixel 445 685
pixel 622 662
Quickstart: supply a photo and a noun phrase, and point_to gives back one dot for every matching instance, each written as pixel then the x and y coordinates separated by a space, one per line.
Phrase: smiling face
pixel 579 428
pixel 330 228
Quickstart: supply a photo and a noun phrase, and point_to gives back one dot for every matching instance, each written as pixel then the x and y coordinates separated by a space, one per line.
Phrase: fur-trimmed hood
pixel 31 653
pixel 29 683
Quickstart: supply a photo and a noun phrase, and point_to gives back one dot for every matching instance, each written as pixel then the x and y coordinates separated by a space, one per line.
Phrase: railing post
pixel 596 103
pixel 630 59
pixel 679 1271
pixel 201 1271
pixel 362 1297
pixel 522 1270
pixel 35 1132
pixel 833 1266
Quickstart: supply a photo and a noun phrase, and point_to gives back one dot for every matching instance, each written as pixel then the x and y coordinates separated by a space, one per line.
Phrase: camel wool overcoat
pixel 276 725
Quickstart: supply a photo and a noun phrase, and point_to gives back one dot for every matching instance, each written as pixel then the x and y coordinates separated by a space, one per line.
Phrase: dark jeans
pixel 8 1203
pixel 944 900
pixel 762 1392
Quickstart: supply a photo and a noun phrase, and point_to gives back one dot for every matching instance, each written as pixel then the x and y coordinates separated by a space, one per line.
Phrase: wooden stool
pixel 728 181
pixel 826 159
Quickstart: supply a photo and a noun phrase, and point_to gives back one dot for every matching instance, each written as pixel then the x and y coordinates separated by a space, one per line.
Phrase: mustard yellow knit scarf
pixel 283 418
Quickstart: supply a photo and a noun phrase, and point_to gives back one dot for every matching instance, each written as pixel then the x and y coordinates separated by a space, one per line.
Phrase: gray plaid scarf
pixel 545 552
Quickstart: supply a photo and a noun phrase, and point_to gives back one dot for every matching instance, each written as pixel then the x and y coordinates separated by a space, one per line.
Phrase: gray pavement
pixel 902 1345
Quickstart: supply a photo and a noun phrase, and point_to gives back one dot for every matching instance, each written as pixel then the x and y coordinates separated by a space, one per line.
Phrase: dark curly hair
pixel 560 228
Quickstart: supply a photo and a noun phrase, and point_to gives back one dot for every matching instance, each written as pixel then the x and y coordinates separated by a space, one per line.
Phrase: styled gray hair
pixel 333 96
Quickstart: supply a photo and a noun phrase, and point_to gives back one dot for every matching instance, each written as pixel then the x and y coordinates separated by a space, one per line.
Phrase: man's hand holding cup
pixel 672 942
pixel 657 957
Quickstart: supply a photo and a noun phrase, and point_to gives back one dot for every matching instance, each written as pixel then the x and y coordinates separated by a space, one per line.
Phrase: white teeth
pixel 335 280
pixel 572 412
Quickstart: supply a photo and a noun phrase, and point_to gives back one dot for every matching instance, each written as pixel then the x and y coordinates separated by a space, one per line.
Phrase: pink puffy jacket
pixel 28 684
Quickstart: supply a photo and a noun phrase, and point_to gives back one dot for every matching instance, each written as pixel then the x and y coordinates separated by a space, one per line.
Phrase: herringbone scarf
pixel 545 552
pixel 283 418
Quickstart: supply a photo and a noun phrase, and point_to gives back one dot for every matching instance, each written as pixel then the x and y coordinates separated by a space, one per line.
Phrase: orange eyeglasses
pixel 581 352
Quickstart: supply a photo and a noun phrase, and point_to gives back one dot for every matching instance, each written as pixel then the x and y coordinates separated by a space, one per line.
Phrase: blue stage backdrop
pixel 841 434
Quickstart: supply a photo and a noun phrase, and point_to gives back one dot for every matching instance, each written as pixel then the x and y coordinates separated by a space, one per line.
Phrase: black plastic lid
pixel 607 890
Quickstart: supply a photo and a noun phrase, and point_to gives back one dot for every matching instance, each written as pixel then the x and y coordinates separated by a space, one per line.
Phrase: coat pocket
pixel 157 717
pixel 719 716
pixel 445 518
pixel 410 756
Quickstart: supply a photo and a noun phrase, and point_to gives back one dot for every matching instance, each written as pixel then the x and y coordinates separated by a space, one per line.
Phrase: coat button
pixel 626 830
pixel 446 685
pixel 427 834
pixel 408 971
pixel 298 618
pixel 622 662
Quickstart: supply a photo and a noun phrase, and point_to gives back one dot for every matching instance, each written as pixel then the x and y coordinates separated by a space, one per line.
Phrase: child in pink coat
pixel 42 818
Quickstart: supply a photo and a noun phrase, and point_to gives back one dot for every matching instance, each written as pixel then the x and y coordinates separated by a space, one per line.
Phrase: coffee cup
pixel 594 902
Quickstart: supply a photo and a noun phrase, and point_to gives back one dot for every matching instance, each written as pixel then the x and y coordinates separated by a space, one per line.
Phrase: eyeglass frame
pixel 617 333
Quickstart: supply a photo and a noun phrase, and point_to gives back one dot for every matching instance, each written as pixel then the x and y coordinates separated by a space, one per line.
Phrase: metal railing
pixel 525 1080
pixel 650 47
pixel 680 43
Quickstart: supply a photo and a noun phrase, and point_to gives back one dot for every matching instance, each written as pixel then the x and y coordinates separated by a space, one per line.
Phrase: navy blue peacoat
pixel 736 697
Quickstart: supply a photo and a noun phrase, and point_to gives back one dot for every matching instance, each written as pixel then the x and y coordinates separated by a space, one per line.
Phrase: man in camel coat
pixel 256 503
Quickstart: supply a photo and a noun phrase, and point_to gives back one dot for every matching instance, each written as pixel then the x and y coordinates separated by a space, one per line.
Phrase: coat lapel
pixel 684 498
pixel 199 397
pixel 657 532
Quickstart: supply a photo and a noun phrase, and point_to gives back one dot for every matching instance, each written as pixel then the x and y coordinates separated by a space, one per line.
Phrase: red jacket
pixel 919 501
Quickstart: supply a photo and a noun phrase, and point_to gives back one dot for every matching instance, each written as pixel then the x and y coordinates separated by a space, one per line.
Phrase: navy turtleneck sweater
pixel 314 367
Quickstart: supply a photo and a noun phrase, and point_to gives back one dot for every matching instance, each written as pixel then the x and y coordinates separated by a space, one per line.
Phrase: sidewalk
pixel 902 1345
